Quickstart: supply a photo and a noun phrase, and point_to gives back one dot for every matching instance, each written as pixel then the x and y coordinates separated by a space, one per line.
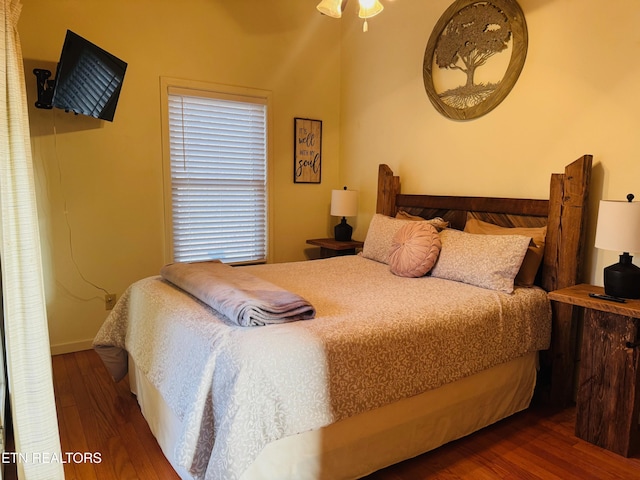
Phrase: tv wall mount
pixel 45 88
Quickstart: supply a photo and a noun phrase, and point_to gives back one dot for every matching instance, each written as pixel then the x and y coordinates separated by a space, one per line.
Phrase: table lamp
pixel 618 228
pixel 344 203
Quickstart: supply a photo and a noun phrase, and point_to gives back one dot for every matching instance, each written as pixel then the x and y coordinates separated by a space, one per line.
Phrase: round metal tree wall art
pixel 474 57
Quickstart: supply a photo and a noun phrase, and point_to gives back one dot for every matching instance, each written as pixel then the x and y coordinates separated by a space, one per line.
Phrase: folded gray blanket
pixel 244 299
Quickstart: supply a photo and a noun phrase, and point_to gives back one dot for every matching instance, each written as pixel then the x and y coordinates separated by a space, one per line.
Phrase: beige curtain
pixel 26 333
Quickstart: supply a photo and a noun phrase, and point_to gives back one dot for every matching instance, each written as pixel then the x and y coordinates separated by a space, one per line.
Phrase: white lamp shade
pixel 344 203
pixel 618 226
pixel 369 8
pixel 331 8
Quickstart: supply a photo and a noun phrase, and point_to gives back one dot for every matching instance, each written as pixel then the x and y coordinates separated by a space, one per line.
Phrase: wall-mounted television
pixel 88 80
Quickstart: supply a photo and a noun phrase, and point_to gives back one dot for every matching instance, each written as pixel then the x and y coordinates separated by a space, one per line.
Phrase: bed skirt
pixel 360 445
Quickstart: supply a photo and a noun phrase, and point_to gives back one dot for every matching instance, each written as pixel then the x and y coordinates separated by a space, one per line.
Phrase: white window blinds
pixel 218 154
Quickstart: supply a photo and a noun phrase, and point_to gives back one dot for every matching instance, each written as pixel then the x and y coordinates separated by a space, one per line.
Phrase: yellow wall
pixel 576 94
pixel 107 177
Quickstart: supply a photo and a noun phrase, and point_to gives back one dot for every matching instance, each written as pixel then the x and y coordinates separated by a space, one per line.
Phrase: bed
pixel 390 367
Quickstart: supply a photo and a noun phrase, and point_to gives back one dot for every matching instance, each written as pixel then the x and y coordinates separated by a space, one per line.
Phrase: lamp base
pixel 342 231
pixel 622 279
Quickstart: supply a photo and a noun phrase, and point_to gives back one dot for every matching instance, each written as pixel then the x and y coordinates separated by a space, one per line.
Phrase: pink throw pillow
pixel 414 250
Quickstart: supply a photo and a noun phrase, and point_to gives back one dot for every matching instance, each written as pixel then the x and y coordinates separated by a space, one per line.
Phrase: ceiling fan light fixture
pixel 330 8
pixel 334 8
pixel 369 8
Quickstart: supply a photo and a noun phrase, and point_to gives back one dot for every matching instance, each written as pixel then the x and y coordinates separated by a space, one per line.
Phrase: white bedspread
pixel 376 338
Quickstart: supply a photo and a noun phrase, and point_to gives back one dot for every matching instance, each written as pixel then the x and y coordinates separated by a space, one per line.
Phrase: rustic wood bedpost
pixel 563 261
pixel 388 188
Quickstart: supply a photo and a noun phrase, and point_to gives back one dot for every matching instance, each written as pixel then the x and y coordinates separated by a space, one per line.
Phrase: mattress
pixel 360 445
pixel 377 339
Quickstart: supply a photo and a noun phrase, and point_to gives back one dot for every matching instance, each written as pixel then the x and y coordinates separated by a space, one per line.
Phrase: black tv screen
pixel 88 79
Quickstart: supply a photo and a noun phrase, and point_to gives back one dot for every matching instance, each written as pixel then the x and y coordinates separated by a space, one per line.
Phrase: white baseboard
pixel 71 347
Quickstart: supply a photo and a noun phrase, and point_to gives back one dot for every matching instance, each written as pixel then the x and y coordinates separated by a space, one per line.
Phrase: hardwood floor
pixel 97 415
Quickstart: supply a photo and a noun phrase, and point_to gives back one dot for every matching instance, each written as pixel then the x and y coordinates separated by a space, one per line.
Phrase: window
pixel 217 174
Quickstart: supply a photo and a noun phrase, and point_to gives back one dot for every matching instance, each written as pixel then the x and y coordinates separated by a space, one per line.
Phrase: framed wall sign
pixel 474 57
pixel 307 150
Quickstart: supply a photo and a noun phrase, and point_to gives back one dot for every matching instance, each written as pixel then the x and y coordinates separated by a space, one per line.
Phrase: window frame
pixel 223 92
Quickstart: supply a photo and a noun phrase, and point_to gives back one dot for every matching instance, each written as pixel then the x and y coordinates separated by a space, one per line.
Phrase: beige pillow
pixel 377 243
pixel 437 222
pixel 487 261
pixel 414 250
pixel 529 269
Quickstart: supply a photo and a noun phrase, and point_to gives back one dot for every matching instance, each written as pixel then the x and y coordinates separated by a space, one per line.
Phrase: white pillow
pixel 377 244
pixel 529 269
pixel 379 239
pixel 487 261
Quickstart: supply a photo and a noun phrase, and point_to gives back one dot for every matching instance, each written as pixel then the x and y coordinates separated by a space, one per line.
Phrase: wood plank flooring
pixel 97 415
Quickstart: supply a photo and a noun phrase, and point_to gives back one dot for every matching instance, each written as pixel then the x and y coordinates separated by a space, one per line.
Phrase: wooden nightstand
pixel 608 398
pixel 330 247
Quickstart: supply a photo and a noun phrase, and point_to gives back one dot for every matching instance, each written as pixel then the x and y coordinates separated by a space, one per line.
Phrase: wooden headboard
pixel 564 213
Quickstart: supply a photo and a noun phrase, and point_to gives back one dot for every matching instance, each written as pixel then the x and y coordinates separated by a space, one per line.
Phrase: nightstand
pixel 330 247
pixel 608 398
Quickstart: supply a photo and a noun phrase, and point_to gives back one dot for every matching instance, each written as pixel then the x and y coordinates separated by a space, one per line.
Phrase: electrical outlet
pixel 109 301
